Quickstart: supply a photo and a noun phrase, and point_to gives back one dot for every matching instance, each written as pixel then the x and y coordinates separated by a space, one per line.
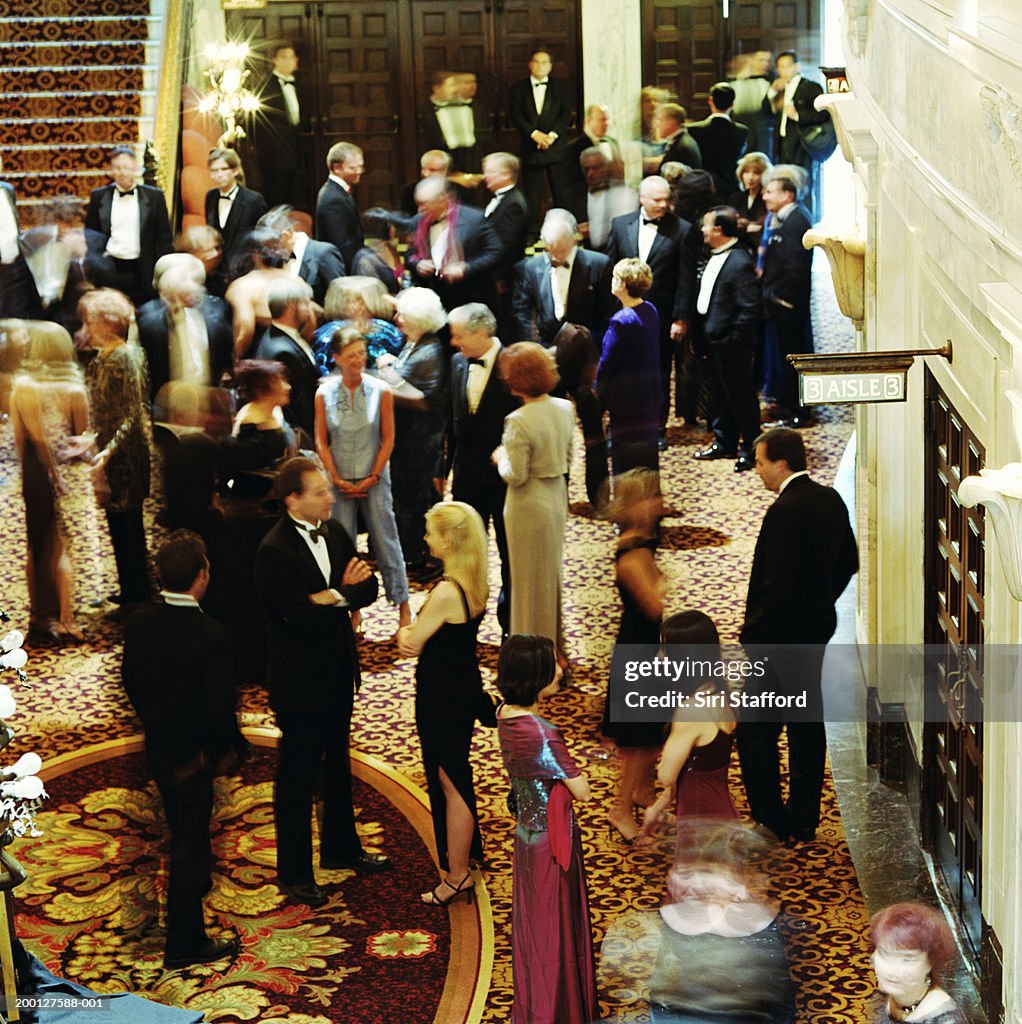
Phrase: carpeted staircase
pixel 76 77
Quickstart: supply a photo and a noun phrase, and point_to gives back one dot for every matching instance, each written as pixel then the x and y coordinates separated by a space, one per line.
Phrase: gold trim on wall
pixel 167 121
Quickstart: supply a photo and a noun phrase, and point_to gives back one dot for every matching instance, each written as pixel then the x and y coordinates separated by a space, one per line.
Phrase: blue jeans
pixel 378 513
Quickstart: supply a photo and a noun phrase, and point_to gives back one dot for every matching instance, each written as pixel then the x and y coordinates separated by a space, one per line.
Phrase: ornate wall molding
pixel 1000 492
pixel 1002 117
pixel 847 256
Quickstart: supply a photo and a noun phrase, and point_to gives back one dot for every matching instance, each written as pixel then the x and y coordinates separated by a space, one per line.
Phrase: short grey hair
pixel 421 310
pixel 509 163
pixel 184 260
pixel 277 220
pixel 284 292
pixel 341 152
pixel 180 278
pixel 558 223
pixel 475 316
pixel 433 187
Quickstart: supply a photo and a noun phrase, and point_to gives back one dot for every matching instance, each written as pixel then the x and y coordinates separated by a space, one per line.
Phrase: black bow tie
pixel 286 79
pixel 315 532
pixel 558 263
pixel 474 361
pixel 228 198
pixel 126 192
pixel 536 85
pixel 654 223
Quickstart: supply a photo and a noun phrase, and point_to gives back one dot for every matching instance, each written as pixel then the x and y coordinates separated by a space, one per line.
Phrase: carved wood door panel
pixel 953 734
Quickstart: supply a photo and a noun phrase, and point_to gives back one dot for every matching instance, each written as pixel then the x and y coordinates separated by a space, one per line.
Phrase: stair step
pixel 51 159
pixel 88 131
pixel 45 186
pixel 71 54
pixel 71 79
pixel 58 30
pixel 82 8
pixel 126 103
pixel 33 212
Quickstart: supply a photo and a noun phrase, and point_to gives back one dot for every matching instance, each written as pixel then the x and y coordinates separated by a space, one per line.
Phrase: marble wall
pixel 935 135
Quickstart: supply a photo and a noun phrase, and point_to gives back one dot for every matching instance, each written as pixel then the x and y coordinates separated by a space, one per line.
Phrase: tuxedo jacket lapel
pixel 545 291
pixel 576 284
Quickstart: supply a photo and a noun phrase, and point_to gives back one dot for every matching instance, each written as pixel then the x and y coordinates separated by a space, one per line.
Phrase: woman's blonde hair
pixel 51 353
pixel 631 489
pixel 464 549
pixel 370 291
pixel 636 276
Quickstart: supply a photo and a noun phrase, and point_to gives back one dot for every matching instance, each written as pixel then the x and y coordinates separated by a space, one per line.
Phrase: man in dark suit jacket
pixel 309 579
pixel 454 250
pixel 787 288
pixel 541 108
pixel 231 209
pixel 18 296
pixel 207 341
pixel 805 556
pixel 508 216
pixel 337 220
pixel 126 230
pixel 289 301
pixel 319 263
pixel 582 279
pixel 451 118
pixel 679 146
pixel 178 672
pixel 792 100
pixel 479 402
pixel 721 141
pixel 728 311
pixel 277 131
pixel 657 237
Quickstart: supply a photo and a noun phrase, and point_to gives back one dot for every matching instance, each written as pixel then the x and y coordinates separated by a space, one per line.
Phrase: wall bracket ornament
pixel 857 14
pixel 1000 492
pixel 847 256
pixel 1002 117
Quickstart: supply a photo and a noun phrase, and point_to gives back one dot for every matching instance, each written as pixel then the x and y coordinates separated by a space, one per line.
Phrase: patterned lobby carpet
pixel 96 896
pixel 714 517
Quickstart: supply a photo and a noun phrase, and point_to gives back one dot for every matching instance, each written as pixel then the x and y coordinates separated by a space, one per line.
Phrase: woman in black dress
pixel 637 510
pixel 449 695
pixel 748 200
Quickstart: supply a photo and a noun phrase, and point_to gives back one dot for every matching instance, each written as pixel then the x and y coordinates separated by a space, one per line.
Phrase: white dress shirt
pixel 538 86
pixel 225 203
pixel 787 480
pixel 495 201
pixel 439 235
pixel 124 226
pixel 457 125
pixel 713 268
pixel 341 182
pixel 299 240
pixel 189 347
pixel 176 600
pixel 647 236
pixel 560 278
pixel 789 97
pixel 290 94
pixel 318 547
pixel 479 376
pixel 298 340
pixel 9 248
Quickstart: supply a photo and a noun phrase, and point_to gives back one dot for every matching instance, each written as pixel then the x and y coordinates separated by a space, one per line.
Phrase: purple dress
pixel 702 789
pixel 551 937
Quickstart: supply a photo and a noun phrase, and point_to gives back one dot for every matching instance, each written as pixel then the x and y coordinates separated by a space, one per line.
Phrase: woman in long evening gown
pixel 551 936
pixel 694 764
pixel 637 509
pixel 50 412
pixel 449 695
pixel 533 460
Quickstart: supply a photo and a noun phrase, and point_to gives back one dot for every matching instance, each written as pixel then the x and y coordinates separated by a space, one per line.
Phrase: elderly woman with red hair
pixel 912 948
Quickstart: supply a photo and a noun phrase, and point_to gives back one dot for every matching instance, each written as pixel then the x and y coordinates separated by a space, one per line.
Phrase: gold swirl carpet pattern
pixel 75 699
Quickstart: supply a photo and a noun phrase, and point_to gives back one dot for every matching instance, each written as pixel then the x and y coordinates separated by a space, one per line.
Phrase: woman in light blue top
pixel 354 438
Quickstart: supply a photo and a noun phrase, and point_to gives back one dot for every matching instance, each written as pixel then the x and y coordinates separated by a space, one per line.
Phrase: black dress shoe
pixel 802 835
pixel 744 463
pixel 715 451
pixel 308 893
pixel 367 863
pixel 210 950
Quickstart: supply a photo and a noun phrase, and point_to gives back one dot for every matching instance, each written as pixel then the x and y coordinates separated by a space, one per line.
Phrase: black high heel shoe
pixel 432 899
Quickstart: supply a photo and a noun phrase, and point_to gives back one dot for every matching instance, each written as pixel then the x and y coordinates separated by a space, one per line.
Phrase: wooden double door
pixel 688 45
pixel 365 68
pixel 952 802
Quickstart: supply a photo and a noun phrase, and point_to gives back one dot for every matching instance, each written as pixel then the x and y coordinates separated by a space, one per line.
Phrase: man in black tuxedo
pixel 721 141
pixel 231 209
pixel 277 131
pixel 310 579
pixel 178 672
pixel 289 302
pixel 593 135
pixel 450 119
pixel 337 220
pixel 454 250
pixel 569 285
pixel 679 146
pixel 787 282
pixel 541 108
pixel 316 263
pixel 186 334
pixel 126 230
pixel 792 100
pixel 479 402
pixel 508 216
pixel 657 237
pixel 18 297
pixel 805 556
pixel 725 327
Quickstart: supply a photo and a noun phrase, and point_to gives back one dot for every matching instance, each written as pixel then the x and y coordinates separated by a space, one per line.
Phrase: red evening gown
pixel 702 790
pixel 551 936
